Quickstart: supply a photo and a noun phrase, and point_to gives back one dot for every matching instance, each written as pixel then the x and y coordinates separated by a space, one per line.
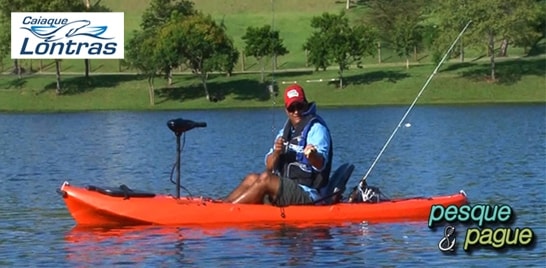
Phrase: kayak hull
pixel 92 208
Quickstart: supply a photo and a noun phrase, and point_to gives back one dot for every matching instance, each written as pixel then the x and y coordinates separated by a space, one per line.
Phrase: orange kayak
pixel 92 206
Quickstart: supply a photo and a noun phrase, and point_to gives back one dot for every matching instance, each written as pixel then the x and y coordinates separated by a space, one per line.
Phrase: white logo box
pixel 67 35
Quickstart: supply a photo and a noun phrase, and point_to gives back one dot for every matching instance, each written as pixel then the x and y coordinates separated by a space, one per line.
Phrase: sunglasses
pixel 298 106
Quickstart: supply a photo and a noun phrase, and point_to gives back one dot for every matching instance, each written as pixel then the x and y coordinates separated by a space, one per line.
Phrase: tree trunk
pixel 87 64
pixel 461 51
pixel 58 90
pixel 86 61
pixel 41 65
pixel 204 82
pixel 262 63
pixel 170 76
pixel 306 58
pixel 415 53
pixel 340 78
pixel 492 53
pixel 503 48
pixel 151 90
pixel 17 68
pixel 348 4
pixel 242 61
pixel 407 62
pixel 379 52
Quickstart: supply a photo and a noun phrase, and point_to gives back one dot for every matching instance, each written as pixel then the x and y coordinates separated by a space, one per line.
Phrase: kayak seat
pixel 121 191
pixel 332 192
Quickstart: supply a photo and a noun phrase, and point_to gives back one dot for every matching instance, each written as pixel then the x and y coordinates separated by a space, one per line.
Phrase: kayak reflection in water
pixel 299 163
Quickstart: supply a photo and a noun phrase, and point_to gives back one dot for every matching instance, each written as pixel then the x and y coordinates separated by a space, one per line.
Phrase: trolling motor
pixel 179 126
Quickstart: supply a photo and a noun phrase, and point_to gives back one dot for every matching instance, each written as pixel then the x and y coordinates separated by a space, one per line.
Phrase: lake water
pixel 496 153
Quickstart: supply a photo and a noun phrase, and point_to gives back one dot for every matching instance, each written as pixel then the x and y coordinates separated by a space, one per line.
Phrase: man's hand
pixel 309 151
pixel 315 158
pixel 278 147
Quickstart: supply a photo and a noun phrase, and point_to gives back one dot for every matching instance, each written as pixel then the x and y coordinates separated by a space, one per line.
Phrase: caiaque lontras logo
pixel 56 35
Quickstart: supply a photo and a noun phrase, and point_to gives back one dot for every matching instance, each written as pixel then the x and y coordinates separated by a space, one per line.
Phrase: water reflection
pixel 284 244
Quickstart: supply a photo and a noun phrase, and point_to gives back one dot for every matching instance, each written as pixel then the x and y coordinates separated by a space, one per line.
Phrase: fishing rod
pixel 272 87
pixel 362 182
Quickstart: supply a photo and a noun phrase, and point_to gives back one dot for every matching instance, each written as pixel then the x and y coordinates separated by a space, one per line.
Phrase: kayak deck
pixel 90 207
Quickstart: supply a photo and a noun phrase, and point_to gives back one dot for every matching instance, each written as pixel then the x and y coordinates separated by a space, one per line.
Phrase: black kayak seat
pixel 121 191
pixel 337 184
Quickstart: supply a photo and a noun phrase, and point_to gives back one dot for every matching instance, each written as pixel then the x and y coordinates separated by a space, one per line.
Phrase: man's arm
pixel 272 157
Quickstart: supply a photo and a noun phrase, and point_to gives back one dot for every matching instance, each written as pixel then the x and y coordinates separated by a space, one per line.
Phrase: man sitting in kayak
pixel 299 163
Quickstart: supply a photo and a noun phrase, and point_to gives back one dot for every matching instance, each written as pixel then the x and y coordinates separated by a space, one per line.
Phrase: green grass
pixel 519 81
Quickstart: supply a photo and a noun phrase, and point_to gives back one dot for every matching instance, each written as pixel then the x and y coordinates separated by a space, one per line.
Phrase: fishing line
pixel 361 183
pixel 271 88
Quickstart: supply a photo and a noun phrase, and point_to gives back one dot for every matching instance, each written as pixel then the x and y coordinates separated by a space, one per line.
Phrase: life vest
pixel 293 164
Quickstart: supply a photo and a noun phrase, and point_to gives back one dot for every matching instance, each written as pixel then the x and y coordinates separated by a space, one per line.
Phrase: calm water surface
pixel 496 153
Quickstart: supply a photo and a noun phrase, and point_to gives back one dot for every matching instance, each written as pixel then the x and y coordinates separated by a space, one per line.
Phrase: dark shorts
pixel 290 193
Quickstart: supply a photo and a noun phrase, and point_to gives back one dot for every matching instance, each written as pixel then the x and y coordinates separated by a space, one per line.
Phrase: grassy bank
pixel 521 81
pixel 114 87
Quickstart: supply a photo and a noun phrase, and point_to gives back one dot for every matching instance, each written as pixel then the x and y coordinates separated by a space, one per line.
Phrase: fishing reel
pixel 285 147
pixel 363 193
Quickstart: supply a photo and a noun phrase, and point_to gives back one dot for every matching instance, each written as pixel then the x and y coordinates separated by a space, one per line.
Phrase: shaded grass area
pixel 508 72
pixel 521 80
pixel 80 84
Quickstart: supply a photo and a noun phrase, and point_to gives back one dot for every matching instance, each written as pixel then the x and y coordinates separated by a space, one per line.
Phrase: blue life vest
pixel 294 165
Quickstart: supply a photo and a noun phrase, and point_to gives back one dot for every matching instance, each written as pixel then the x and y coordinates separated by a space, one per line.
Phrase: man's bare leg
pixel 243 187
pixel 267 183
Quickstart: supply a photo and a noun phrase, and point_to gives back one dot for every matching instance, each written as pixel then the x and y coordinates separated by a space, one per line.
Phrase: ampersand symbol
pixel 447 243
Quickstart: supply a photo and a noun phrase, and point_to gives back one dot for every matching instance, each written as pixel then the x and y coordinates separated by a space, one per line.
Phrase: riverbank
pixel 519 81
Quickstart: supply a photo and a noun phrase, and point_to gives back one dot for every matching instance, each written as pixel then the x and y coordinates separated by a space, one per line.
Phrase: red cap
pixel 294 93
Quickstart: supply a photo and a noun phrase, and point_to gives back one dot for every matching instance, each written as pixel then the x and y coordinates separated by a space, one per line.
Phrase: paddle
pixel 362 183
pixel 179 126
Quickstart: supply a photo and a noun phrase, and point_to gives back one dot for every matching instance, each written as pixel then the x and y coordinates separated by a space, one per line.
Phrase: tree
pixel 8 6
pixel 5 36
pixel 96 7
pixel 398 22
pixel 159 13
pixel 62 6
pixel 511 20
pixel 318 53
pixel 262 42
pixel 228 60
pixel 336 41
pixel 155 49
pixel 202 45
pixel 142 54
pixel 534 32
pixel 162 11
